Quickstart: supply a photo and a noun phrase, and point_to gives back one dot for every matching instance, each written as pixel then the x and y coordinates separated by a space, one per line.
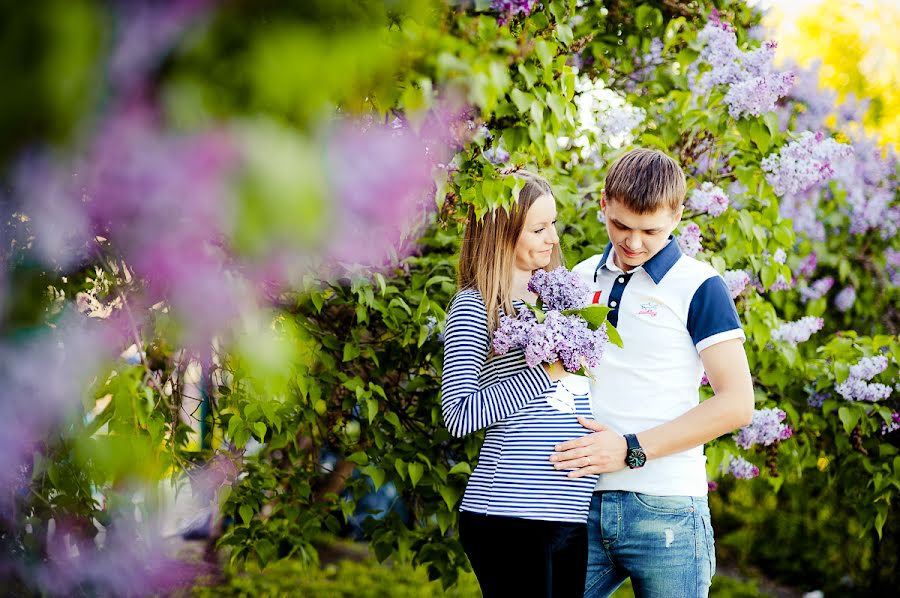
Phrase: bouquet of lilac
pixel 561 326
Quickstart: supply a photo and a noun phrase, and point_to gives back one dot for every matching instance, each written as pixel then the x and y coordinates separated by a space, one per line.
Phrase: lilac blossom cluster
pixel 845 299
pixel 892 265
pixel 798 331
pixel 737 281
pixel 559 337
pixel 742 469
pixel 868 177
pixel 508 9
pixel 818 399
pixel 690 239
pixel 708 198
pixel 817 289
pixel 891 426
pixel 807 266
pixel 803 164
pixel 754 86
pixel 766 428
pixel 644 65
pixel 857 386
pixel 559 289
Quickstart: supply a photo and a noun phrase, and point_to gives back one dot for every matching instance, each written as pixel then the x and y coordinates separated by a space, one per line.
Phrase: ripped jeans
pixel 663 543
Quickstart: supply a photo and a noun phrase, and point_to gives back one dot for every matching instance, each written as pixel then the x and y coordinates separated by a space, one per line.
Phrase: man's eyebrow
pixel 620 224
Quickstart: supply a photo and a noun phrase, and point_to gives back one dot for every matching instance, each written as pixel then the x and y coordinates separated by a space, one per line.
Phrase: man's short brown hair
pixel 646 180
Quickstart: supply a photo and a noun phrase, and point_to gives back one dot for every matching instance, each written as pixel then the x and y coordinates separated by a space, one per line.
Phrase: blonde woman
pixel 522 522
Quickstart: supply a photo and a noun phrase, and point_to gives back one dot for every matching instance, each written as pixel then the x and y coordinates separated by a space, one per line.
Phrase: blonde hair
pixel 645 180
pixel 487 255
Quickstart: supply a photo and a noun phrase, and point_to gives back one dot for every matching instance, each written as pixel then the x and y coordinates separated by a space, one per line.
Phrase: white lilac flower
pixel 779 256
pixel 742 469
pixel 798 331
pixel 854 389
pixel 737 281
pixel 846 298
pixel 690 239
pixel 708 198
pixel 766 428
pixel 869 367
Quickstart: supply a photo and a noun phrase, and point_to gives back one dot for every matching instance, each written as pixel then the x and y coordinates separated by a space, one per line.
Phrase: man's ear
pixel 678 214
pixel 603 199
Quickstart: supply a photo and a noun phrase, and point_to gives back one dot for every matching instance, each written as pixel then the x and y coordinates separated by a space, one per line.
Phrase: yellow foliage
pixel 859 49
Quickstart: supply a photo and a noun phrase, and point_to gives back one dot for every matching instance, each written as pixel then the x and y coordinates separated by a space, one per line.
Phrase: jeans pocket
pixel 666 505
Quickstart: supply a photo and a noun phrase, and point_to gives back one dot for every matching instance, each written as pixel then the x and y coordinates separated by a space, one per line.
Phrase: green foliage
pixel 348 365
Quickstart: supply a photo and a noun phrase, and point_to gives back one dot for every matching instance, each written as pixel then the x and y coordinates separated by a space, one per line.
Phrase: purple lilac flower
pixel 754 86
pixel 846 298
pixel 869 367
pixel 765 429
pixel 690 239
pixel 497 155
pixel 559 289
pixel 892 265
pixel 512 331
pixel 780 284
pixel 807 266
pixel 818 399
pixel 758 95
pixel 737 281
pixel 817 289
pixel 798 331
pixel 818 103
pixel 711 486
pixel 868 176
pixel 645 65
pixel 804 163
pixel 742 469
pixel 894 424
pixel 708 198
pixel 510 8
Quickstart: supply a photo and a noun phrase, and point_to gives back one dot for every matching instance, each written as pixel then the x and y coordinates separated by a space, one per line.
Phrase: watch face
pixel 635 458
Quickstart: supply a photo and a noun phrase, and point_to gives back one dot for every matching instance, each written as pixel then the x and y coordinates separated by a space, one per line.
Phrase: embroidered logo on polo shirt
pixel 650 308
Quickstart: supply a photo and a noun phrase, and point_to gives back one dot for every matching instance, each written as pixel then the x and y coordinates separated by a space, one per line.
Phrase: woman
pixel 522 523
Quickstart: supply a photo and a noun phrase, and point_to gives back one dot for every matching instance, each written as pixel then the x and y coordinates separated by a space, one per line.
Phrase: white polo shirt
pixel 667 311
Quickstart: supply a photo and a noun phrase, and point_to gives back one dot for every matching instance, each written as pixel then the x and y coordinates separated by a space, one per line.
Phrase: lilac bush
pixel 765 429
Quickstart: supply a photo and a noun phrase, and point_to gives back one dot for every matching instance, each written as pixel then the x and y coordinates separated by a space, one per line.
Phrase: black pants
pixel 524 557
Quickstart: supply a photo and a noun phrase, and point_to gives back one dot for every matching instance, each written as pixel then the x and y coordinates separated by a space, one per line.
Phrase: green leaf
pixel 461 467
pixel 246 514
pixel 450 496
pixel 849 418
pixel 359 457
pixel 522 100
pixel 594 315
pixel 415 473
pixel 614 336
pixel 372 408
pixel 260 429
pixel 351 351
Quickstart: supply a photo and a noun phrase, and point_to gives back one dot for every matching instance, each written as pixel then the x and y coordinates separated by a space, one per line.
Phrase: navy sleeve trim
pixel 712 311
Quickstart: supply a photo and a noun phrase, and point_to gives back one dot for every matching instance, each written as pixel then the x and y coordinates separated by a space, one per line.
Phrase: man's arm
pixel 731 407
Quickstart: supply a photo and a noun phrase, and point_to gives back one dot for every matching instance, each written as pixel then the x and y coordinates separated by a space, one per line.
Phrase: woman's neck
pixel 520 286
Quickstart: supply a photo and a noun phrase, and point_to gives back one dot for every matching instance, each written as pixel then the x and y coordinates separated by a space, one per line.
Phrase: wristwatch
pixel 635 457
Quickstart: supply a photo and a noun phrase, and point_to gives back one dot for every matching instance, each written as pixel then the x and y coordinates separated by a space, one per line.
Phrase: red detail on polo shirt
pixel 596 297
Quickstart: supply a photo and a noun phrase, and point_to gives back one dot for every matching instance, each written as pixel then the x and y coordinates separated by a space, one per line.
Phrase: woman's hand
pixel 555 370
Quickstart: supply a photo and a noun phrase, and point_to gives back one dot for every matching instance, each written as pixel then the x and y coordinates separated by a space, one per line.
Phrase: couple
pixel 568 505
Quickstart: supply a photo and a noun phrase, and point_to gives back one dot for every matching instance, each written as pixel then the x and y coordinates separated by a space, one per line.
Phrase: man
pixel 649 516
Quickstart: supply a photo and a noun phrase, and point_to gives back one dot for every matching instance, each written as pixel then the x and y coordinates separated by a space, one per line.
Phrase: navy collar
pixel 657 266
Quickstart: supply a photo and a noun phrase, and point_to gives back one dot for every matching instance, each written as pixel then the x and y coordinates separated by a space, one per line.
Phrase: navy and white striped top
pixel 526 415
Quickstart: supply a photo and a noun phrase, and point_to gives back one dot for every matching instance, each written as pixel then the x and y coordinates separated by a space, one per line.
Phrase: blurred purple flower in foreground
pixel 510 8
pixel 690 239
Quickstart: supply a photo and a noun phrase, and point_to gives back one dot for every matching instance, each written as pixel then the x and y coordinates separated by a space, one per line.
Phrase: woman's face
pixel 538 238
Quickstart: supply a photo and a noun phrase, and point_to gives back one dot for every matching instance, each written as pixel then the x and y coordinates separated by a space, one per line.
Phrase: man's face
pixel 637 237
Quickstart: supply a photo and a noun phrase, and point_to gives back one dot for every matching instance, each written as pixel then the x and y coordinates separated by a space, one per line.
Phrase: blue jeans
pixel 663 543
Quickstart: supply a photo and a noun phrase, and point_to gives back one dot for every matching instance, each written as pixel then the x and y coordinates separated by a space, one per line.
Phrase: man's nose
pixel 633 242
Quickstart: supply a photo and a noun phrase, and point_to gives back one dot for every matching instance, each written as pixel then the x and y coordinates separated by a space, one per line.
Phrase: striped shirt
pixel 526 415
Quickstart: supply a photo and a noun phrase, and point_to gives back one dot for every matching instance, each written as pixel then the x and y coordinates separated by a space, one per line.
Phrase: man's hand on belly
pixel 600 452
